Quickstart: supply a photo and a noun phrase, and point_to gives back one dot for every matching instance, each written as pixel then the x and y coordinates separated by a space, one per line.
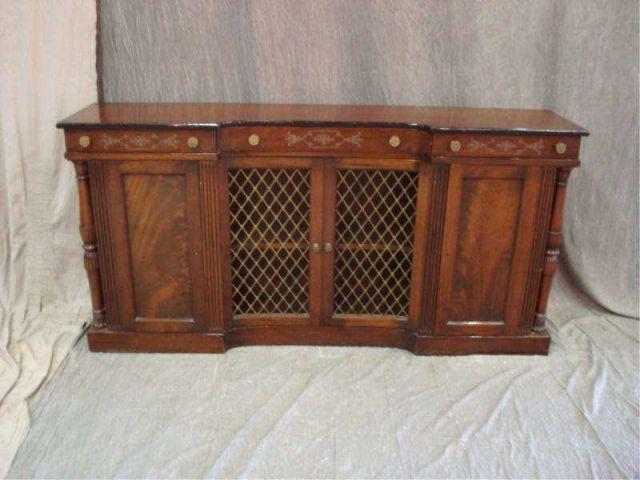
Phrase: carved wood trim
pixel 107 276
pixel 213 276
pixel 536 264
pixel 89 241
pixel 435 223
pixel 554 243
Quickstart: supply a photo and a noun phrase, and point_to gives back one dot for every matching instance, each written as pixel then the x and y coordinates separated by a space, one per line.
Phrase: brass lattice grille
pixel 375 216
pixel 270 211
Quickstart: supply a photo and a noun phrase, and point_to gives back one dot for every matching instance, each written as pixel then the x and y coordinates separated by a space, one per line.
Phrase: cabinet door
pixel 274 218
pixel 152 235
pixel 487 247
pixel 373 247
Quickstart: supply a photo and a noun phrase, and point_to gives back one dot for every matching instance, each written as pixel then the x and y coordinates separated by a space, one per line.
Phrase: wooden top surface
pixel 443 119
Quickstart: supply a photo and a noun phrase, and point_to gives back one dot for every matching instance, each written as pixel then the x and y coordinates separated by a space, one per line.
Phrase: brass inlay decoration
pixel 269 223
pixel 375 222
pixel 84 141
pixel 561 148
pixel 455 146
pixel 254 139
pixel 515 146
pixel 325 139
pixel 138 142
pixel 192 142
pixel 394 141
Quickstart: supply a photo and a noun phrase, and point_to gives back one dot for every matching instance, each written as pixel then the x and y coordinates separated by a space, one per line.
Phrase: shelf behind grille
pixel 375 222
pixel 269 223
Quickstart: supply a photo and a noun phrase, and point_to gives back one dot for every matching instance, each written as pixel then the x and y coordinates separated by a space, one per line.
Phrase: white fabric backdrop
pixel 333 51
pixel 47 71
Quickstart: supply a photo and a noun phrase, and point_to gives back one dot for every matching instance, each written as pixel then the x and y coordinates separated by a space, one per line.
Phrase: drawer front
pixel 526 146
pixel 324 140
pixel 132 141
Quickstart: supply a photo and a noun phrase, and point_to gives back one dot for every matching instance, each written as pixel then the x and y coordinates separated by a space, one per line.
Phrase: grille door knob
pixel 315 248
pixel 328 248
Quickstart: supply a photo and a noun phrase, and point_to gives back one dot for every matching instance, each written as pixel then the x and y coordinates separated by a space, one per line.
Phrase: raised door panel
pixel 273 220
pixel 373 249
pixel 488 240
pixel 154 226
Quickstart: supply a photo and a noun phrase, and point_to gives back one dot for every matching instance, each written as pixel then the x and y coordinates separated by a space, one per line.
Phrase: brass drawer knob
pixel 84 141
pixel 254 139
pixel 394 141
pixel 455 145
pixel 561 148
pixel 192 142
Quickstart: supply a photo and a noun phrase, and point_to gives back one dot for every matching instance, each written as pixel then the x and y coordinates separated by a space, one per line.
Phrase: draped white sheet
pixel 578 57
pixel 47 71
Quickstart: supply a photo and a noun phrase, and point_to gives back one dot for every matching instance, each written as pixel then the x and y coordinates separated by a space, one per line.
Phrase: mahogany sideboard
pixel 209 226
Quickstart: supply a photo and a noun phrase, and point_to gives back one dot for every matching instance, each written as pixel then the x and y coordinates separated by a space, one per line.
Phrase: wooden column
pixel 88 234
pixel 554 242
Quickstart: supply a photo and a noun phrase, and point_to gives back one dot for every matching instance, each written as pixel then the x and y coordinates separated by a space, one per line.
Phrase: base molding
pixel 103 340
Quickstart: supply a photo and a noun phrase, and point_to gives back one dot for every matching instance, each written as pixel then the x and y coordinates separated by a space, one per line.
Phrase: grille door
pixel 271 229
pixel 373 267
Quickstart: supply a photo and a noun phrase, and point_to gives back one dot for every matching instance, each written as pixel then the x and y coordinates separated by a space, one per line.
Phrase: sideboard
pixel 210 226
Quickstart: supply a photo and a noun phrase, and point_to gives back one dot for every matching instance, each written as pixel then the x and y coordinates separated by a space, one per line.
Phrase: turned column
pixel 88 234
pixel 554 242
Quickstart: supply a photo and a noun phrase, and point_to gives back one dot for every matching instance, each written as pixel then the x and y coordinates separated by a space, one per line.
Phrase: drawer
pixel 131 141
pixel 324 139
pixel 526 146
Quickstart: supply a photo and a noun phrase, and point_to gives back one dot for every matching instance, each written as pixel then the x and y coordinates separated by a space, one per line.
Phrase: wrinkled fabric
pixel 331 412
pixel 309 412
pixel 47 71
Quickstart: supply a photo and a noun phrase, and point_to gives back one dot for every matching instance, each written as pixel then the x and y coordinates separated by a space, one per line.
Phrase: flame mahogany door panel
pixel 153 224
pixel 488 241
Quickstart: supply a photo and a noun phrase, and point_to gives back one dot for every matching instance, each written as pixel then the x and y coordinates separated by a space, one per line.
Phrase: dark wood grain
pixel 140 141
pixel 154 220
pixel 117 341
pixel 325 140
pixel 106 258
pixel 454 248
pixel 522 146
pixel 487 243
pixel 454 119
pixel 90 244
pixel 158 241
pixel 554 242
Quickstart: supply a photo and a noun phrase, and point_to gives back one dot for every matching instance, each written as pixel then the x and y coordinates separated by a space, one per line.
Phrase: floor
pixel 301 412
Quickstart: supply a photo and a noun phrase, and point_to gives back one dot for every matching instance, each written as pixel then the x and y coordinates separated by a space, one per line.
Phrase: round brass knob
pixel 84 141
pixel 254 139
pixel 561 148
pixel 394 141
pixel 192 142
pixel 455 146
